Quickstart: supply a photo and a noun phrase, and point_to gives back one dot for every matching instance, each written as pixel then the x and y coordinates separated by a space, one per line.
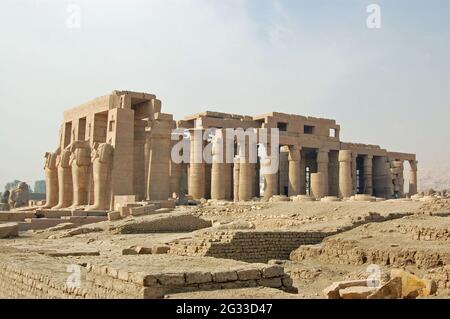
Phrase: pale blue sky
pixel 389 86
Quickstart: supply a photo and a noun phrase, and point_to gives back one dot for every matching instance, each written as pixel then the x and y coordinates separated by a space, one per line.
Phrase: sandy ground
pixel 310 275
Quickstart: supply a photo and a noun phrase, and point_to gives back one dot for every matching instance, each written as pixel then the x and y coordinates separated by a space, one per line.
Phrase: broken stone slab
pixel 356 292
pixel 9 230
pixel 413 286
pixel 332 291
pixel 390 290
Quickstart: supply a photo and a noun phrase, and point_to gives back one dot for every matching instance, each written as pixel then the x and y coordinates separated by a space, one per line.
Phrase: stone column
pixel 379 176
pixel 197 166
pixel 270 176
pixel 158 183
pixel 283 172
pixel 245 175
pixel 51 180
pixel 397 172
pixel 256 190
pixel 317 185
pixel 294 170
pixel 175 172
pixel 236 179
pixel 389 186
pixel 322 167
pixel 175 176
pixel 80 161
pixel 64 180
pixel 354 175
pixel 413 178
pixel 139 160
pixel 368 175
pixel 219 169
pixel 302 174
pixel 345 174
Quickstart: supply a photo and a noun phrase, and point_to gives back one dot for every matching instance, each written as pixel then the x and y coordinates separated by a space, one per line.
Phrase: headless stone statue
pixel 19 197
pixel 101 157
pixel 51 180
pixel 80 162
pixel 65 189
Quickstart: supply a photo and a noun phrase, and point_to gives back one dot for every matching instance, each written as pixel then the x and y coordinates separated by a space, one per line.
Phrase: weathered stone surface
pixel 249 274
pixel 8 230
pixel 225 276
pixel 332 291
pixel 413 286
pixel 390 290
pixel 357 292
pixel 273 271
pixel 198 277
pixel 160 249
pixel 114 216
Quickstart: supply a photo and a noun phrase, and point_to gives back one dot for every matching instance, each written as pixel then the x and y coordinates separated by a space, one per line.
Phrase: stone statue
pixel 4 206
pixel 80 161
pixel 101 157
pixel 19 196
pixel 51 180
pixel 64 179
pixel 181 198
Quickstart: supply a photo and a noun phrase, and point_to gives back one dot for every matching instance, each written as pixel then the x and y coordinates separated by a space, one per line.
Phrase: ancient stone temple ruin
pixel 120 145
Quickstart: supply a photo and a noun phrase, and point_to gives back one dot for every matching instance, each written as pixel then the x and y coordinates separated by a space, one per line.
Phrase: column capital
pixel 294 153
pixel 345 156
pixel 322 155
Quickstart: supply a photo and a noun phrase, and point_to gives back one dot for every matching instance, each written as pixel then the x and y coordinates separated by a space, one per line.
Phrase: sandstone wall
pixel 249 246
pixel 107 282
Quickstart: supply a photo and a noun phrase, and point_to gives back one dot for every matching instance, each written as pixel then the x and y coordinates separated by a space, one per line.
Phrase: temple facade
pixel 121 145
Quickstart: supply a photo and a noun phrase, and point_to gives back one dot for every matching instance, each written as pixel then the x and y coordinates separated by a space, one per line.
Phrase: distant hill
pixel 437 178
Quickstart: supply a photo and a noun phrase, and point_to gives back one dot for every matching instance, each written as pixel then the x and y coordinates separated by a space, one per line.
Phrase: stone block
pixel 175 279
pixel 129 251
pixel 9 230
pixel 143 250
pixel 224 276
pixel 160 249
pixel 413 286
pixel 137 211
pixel 273 271
pixel 198 277
pixel 113 216
pixel 79 213
pixel 249 274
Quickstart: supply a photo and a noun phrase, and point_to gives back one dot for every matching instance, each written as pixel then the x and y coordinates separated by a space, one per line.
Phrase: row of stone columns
pixel 376 175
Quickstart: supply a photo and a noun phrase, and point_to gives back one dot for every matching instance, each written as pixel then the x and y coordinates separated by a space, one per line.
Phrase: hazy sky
pixel 387 86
